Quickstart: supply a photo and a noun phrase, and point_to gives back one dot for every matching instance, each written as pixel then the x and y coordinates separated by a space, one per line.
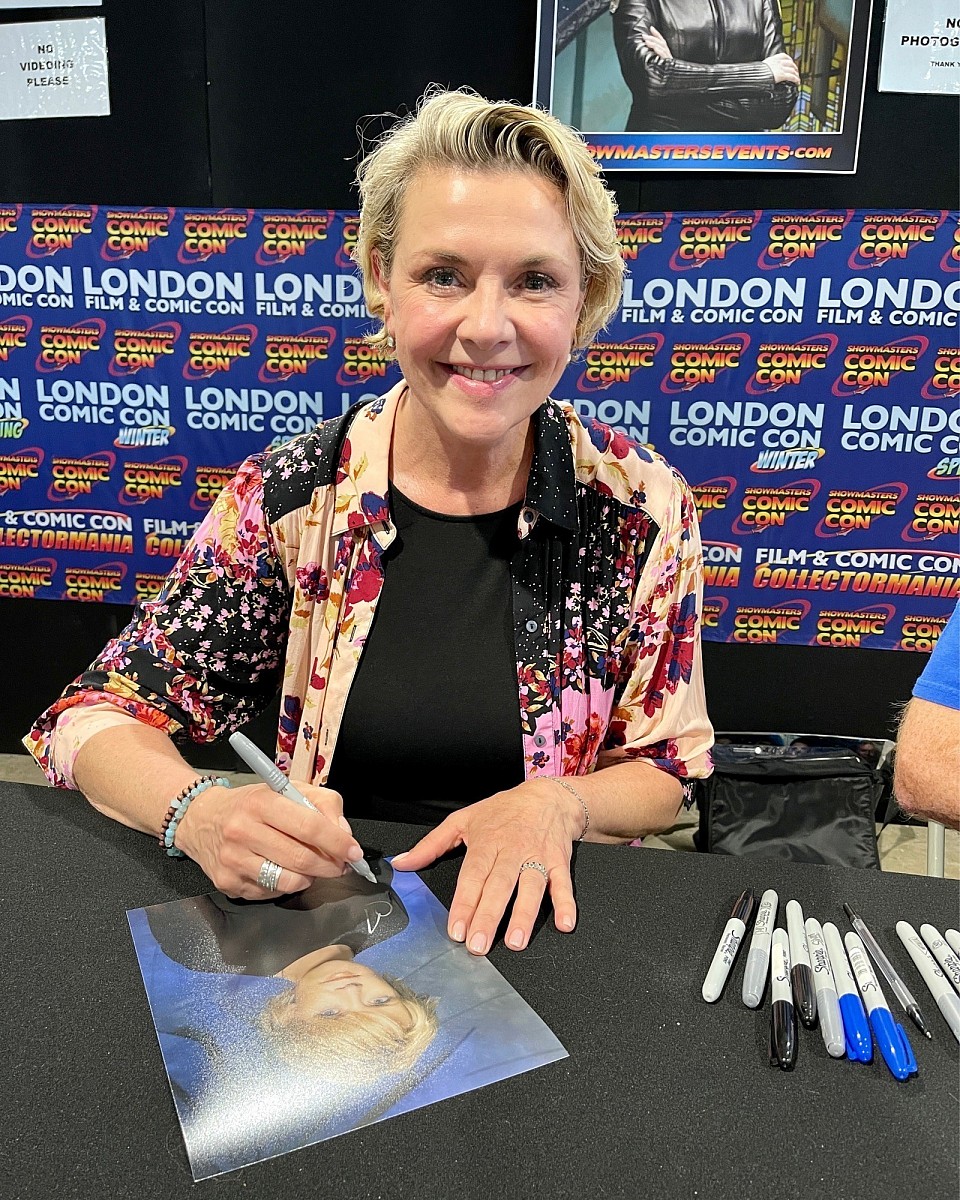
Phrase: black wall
pixel 237 103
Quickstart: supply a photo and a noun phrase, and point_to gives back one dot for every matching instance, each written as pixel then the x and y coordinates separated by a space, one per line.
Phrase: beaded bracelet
pixel 179 805
pixel 586 811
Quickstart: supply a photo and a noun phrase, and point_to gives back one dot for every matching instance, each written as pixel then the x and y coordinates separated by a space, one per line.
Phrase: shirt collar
pixel 551 486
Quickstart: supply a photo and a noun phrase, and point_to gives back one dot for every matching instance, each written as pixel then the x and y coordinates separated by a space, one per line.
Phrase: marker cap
pixel 755 977
pixel 831 1022
pixel 856 1031
pixel 894 1046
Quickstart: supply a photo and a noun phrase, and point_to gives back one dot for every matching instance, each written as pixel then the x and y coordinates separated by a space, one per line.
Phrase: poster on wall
pixel 800 368
pixel 921 47
pixel 712 85
pixel 54 69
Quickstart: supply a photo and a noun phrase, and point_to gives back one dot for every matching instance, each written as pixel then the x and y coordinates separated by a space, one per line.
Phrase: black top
pixel 432 721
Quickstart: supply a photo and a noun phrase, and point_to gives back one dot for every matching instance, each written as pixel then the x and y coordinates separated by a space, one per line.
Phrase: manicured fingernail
pixel 459 931
pixel 397 857
pixel 355 853
pixel 516 939
pixel 566 923
pixel 479 943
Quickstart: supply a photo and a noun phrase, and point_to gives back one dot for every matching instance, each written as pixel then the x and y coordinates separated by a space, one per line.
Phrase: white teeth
pixel 485 376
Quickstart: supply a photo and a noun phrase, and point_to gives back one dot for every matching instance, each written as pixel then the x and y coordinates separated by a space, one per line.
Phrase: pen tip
pixel 849 911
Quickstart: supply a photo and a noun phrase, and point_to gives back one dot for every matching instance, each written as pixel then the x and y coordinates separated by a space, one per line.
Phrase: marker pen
pixel 758 956
pixel 953 940
pixel 947 960
pixel 828 1004
pixel 804 996
pixel 856 1031
pixel 890 972
pixel 947 1000
pixel 275 779
pixel 891 1038
pixel 727 949
pixel 783 1021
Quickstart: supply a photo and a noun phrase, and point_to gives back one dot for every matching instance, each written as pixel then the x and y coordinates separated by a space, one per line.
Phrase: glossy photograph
pixel 284 1023
pixel 707 84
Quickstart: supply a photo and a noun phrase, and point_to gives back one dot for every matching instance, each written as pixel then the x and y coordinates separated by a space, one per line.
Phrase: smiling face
pixel 332 989
pixel 482 300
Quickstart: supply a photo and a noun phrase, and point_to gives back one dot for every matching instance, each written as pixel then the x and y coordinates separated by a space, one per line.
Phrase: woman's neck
pixel 454 479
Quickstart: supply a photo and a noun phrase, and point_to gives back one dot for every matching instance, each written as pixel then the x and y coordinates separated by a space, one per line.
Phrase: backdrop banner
pixel 802 369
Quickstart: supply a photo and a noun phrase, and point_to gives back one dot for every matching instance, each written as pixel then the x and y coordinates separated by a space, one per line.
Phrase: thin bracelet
pixel 179 805
pixel 586 811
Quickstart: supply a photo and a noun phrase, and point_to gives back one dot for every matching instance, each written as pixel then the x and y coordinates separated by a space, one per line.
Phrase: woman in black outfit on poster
pixel 704 65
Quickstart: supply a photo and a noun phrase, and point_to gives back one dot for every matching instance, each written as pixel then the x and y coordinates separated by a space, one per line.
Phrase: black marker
pixel 801 973
pixel 783 1022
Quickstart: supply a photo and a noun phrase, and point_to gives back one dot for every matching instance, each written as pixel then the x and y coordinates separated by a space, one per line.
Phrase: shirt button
pixel 532 627
pixel 539 740
pixel 527 515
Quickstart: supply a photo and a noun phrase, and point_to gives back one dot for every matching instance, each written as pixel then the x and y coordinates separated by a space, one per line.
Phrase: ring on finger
pixel 533 864
pixel 269 875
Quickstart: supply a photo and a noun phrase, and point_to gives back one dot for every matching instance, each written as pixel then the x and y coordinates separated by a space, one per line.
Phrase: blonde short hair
pixel 461 130
pixel 356 1045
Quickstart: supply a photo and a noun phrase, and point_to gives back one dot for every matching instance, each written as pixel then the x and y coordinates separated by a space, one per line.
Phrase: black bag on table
pixel 815 805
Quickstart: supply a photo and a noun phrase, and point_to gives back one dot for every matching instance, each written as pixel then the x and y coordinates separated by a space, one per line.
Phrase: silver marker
pixel 275 779
pixel 946 959
pixel 953 940
pixel 828 1003
pixel 947 1000
pixel 758 956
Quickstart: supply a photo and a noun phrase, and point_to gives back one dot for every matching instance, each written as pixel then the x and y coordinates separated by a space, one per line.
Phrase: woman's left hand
pixel 535 822
pixel 656 42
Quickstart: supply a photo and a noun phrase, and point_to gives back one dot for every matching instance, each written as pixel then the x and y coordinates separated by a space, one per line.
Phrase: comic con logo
pixel 705 240
pixel 797 237
pixel 10 218
pixel 921 633
pixel 636 233
pixel 288 355
pixel 606 363
pixel 55 229
pixel 73 477
pixel 694 363
pixel 866 367
pixel 933 515
pixel 712 495
pixel 13 335
pixel 21 580
pixel 206 234
pixel 712 610
pixel 767 625
pixel 138 349
pixel 290 235
pixel 147 585
pixel 63 346
pixel 769 507
pixel 15 469
pixel 208 483
pixel 349 233
pixel 94 583
pixel 212 353
pixel 361 362
pixel 943 383
pixel 886 237
pixel 130 233
pixel 850 510
pixel 784 364
pixel 149 481
pixel 838 628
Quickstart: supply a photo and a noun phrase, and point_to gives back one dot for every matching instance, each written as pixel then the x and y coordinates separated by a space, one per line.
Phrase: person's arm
pixel 660 734
pixel 926 779
pixel 199 661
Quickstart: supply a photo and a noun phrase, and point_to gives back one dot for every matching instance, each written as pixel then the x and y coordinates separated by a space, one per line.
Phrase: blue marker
pixel 896 1050
pixel 856 1031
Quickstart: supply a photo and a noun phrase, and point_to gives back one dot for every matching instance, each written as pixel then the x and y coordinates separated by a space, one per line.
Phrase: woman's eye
pixel 536 281
pixel 380 1000
pixel 330 1012
pixel 443 277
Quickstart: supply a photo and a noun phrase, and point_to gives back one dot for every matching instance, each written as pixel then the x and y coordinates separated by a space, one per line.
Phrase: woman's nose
pixel 485 321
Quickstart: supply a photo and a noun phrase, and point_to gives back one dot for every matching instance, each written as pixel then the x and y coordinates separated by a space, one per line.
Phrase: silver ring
pixel 269 875
pixel 533 865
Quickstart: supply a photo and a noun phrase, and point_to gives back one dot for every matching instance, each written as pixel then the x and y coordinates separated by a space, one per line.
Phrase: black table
pixel 662 1094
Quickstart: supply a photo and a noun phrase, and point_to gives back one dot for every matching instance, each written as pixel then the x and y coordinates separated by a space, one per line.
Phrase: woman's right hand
pixel 230 831
pixel 784 68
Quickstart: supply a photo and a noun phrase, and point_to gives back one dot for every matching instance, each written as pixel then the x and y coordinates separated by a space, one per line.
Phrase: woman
pixel 703 66
pixel 465 595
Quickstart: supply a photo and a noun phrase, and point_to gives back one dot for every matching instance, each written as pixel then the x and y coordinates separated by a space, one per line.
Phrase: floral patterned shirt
pixel 278 587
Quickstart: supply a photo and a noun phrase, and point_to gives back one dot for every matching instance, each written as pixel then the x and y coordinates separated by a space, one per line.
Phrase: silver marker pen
pixel 758 956
pixel 275 779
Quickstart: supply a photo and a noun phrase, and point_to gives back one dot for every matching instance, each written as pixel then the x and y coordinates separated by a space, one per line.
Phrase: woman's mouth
pixel 481 375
